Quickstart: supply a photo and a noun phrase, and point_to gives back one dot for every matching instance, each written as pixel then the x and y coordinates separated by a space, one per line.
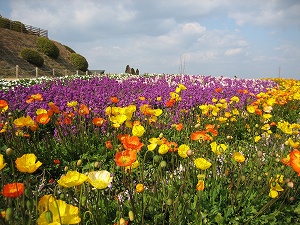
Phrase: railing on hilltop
pixel 19 73
pixel 21 27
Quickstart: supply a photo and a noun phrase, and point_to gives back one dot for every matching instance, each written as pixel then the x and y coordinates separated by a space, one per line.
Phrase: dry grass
pixel 12 42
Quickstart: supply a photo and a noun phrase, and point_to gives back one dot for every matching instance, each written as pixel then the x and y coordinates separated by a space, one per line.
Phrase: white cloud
pixel 233 51
pixel 153 34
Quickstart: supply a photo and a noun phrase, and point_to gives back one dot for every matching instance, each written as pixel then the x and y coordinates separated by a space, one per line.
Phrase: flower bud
pixel 122 221
pixel 131 215
pixel 97 164
pixel 9 214
pixel 9 152
pixel 161 135
pixel 163 164
pixel 66 168
pixel 259 154
pixel 79 162
pixel 290 184
pixel 189 152
pixel 28 205
pixel 49 216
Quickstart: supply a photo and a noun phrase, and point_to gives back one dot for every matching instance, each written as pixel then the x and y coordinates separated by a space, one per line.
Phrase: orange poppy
pixel 83 110
pixel 131 142
pixel 43 118
pixel 218 89
pixel 258 112
pixel 98 121
pixel 170 103
pixel 53 108
pixel 211 128
pixel 36 97
pixel 125 158
pixel 108 145
pixel 3 104
pixel 200 135
pixel 67 120
pixel 13 190
pixel 172 146
pixel 114 100
pixel 179 126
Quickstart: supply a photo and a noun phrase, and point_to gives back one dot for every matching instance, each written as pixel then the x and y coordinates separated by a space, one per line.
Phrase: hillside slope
pixel 12 42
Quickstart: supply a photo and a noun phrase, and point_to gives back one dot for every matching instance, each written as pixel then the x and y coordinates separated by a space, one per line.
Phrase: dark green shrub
pixel 18 26
pixel 79 61
pixel 47 46
pixel 69 49
pixel 5 23
pixel 132 71
pixel 32 57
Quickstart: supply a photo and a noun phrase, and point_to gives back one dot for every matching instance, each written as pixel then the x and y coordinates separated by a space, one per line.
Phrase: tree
pixel 127 70
pixel 137 72
pixel 132 71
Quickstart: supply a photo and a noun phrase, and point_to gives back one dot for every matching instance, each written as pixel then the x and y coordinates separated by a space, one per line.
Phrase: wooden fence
pixel 21 27
pixel 36 72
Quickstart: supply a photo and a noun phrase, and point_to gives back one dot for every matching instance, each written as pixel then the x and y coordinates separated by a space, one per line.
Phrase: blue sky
pixel 247 39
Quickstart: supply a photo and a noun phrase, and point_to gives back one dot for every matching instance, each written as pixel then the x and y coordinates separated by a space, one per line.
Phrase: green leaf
pixel 219 218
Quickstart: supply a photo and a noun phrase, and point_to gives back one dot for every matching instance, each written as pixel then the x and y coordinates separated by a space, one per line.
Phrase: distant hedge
pixel 48 47
pixel 69 49
pixel 32 57
pixel 79 62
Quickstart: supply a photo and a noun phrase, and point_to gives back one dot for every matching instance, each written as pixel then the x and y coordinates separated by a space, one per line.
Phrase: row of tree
pixel 131 70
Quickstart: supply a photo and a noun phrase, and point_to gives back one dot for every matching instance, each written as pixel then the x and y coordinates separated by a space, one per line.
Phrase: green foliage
pixel 69 49
pixel 32 57
pixel 18 26
pixel 132 71
pixel 128 69
pixel 48 47
pixel 79 62
pixel 5 23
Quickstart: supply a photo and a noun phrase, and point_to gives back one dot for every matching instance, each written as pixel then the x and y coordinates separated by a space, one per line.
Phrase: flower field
pixel 151 149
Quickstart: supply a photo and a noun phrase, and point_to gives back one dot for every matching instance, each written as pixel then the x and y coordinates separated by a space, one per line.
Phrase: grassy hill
pixel 12 42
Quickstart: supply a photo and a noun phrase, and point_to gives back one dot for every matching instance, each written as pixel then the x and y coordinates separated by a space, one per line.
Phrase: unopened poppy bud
pixel 197 125
pixel 292 199
pixel 163 164
pixel 131 215
pixel 9 152
pixel 290 184
pixel 28 204
pixel 122 221
pixel 169 201
pixel 49 216
pixel 79 162
pixel 9 214
pixel 66 168
pixel 97 164
pixel 161 135
pixel 259 154
pixel 189 152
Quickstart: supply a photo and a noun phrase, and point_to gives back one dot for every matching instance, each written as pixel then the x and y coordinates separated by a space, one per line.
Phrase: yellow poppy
pixel 239 157
pixel 60 213
pixel 218 149
pixel 182 150
pixel 202 163
pixel 2 163
pixel 27 163
pixel 71 179
pixel 138 130
pixel 100 179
